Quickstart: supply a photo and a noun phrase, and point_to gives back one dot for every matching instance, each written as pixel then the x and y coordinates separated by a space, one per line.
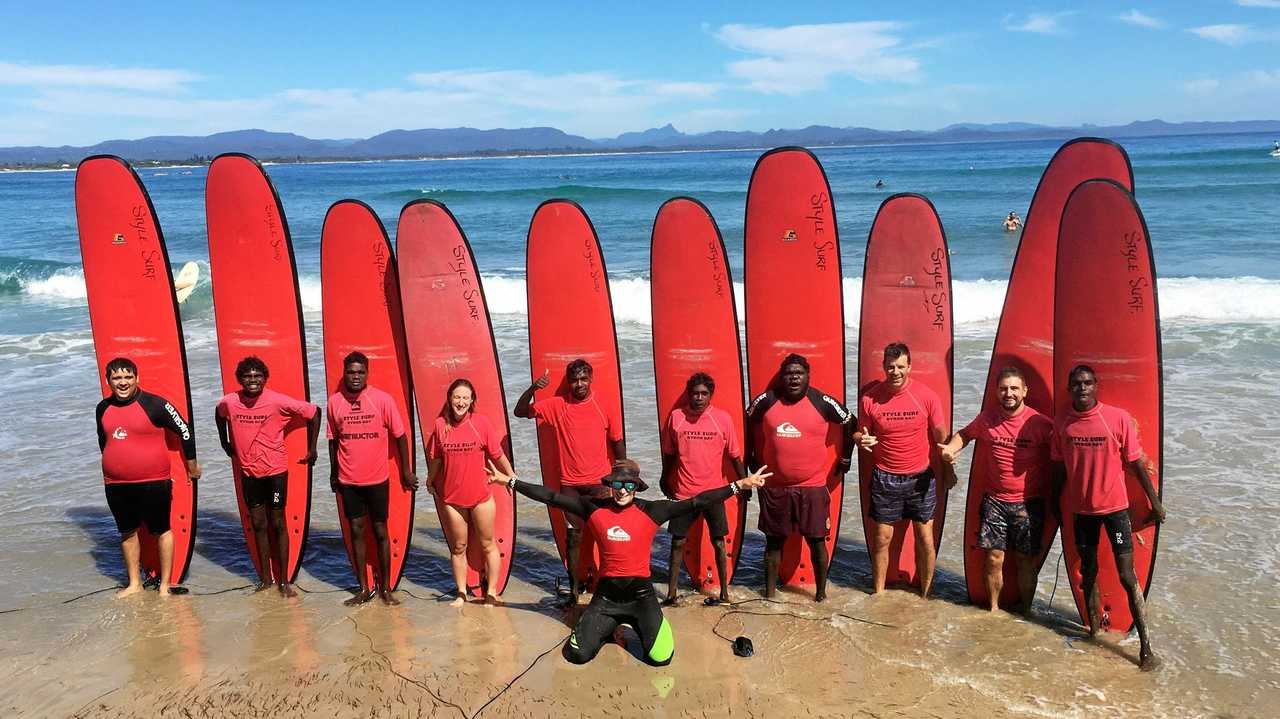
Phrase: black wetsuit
pixel 624 593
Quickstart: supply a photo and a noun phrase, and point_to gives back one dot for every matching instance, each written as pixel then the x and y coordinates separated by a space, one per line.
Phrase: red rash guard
pixel 699 443
pixel 363 424
pixel 582 429
pixel 1015 452
pixel 131 435
pixel 902 423
pixel 257 427
pixel 800 440
pixel 463 449
pixel 1095 446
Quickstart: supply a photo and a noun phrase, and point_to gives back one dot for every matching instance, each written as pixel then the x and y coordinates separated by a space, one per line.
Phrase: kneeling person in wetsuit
pixel 625 526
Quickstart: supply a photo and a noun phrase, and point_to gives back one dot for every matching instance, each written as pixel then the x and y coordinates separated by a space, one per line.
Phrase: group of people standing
pixel 794 431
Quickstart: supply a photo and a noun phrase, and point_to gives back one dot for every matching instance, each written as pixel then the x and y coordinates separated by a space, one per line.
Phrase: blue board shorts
pixel 895 497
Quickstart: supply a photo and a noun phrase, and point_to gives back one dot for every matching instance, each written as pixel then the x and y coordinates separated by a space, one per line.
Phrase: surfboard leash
pixel 732 610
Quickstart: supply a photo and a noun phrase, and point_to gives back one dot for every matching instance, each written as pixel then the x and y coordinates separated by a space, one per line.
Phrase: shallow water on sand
pixel 1212 609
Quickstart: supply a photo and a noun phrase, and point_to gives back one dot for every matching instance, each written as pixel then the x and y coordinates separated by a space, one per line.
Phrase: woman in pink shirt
pixel 461 442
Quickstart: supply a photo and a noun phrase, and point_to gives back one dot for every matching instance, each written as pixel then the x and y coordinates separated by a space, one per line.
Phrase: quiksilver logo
pixel 789 236
pixel 118 239
pixel 786 429
pixel 617 534
pixel 120 433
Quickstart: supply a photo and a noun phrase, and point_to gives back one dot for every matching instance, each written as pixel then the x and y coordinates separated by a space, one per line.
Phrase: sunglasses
pixel 625 486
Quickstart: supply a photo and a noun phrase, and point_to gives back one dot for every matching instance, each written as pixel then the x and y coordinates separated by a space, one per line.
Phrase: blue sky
pixel 78 73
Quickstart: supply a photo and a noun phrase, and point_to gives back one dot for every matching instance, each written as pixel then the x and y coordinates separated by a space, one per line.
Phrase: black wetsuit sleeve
pixel 581 506
pixel 102 433
pixel 664 510
pixel 829 407
pixel 760 405
pixel 163 414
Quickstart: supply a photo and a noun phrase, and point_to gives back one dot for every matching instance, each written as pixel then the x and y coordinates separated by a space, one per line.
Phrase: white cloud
pixel 120 78
pixel 1259 3
pixel 1243 95
pixel 1141 19
pixel 799 58
pixel 1201 86
pixel 1227 33
pixel 1036 22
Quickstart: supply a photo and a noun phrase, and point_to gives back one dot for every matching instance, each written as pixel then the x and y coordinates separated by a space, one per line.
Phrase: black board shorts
pixel 895 497
pixel 270 490
pixel 1119 531
pixel 795 510
pixel 717 522
pixel 359 500
pixel 134 504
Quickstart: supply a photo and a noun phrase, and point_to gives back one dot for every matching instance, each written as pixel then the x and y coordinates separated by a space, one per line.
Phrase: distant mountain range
pixel 465 141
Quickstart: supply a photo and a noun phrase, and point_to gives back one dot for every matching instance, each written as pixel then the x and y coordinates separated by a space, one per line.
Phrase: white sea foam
pixel 1232 299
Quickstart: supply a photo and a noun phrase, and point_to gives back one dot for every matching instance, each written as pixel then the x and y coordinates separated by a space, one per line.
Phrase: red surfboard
pixel 570 316
pixel 449 336
pixel 1106 316
pixel 695 329
pixel 906 297
pixel 360 300
pixel 258 311
pixel 1025 336
pixel 794 301
pixel 133 313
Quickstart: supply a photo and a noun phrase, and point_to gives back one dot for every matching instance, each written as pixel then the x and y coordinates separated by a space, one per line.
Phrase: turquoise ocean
pixel 1212 204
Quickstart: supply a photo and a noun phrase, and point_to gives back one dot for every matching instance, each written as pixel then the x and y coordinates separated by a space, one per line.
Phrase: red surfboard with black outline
pixel 570 317
pixel 449 336
pixel 695 329
pixel 795 302
pixel 1024 338
pixel 906 297
pixel 360 296
pixel 133 313
pixel 1106 315
pixel 258 311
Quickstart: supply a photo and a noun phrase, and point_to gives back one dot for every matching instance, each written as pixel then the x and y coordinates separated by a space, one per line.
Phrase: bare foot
pixel 389 599
pixel 820 596
pixel 1148 661
pixel 671 600
pixel 492 600
pixel 568 602
pixel 286 590
pixel 361 597
pixel 261 586
pixel 129 590
pixel 165 591
pixel 459 599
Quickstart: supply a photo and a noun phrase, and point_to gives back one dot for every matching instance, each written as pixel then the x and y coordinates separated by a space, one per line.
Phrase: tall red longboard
pixel 1106 316
pixel 1025 336
pixel 695 329
pixel 134 314
pixel 360 296
pixel 906 297
pixel 449 336
pixel 258 310
pixel 570 316
pixel 794 301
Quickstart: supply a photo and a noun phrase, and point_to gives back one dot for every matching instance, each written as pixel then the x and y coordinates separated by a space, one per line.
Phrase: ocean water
pixel 1210 203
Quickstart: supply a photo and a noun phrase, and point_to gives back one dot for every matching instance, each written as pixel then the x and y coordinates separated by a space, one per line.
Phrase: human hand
pixel 308 458
pixel 948 455
pixel 544 380
pixel 867 440
pixel 495 475
pixel 755 479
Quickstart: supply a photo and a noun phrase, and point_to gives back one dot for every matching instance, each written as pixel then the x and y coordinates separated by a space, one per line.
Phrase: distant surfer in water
pixel 132 429
pixel 457 449
pixel 1013 445
pixel 696 440
pixel 1012 222
pixel 251 426
pixel 900 421
pixel 879 184
pixel 625 526
pixel 586 431
pixel 796 425
pixel 362 420
pixel 1093 443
